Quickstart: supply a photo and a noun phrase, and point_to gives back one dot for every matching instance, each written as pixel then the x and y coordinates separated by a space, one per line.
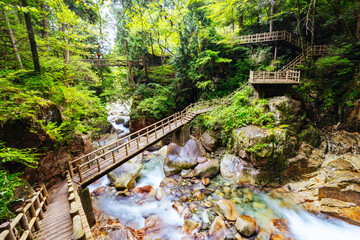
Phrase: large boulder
pixel 218 229
pixel 207 169
pixel 261 146
pixel 286 111
pixel 124 176
pixel 236 170
pixel 179 158
pixel 208 141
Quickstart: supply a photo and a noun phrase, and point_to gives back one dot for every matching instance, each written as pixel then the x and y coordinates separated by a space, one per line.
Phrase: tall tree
pixel 31 36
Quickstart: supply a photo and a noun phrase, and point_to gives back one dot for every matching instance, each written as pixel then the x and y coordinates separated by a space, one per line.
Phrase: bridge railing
pixel 274 77
pixel 20 227
pixel 126 145
pixel 75 208
pixel 110 62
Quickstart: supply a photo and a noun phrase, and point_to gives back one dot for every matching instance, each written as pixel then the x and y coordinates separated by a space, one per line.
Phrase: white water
pixel 306 226
pixel 119 110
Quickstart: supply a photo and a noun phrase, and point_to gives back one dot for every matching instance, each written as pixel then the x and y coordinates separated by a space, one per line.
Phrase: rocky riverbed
pixel 287 182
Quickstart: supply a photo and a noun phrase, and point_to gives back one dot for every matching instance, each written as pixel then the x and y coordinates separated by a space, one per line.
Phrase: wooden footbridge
pixel 92 166
pixel 112 62
pixel 289 74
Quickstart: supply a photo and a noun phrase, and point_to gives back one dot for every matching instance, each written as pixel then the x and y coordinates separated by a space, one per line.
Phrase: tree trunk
pixel 271 27
pixel 66 50
pixel 241 18
pixel 358 26
pixel 45 25
pixel 132 83
pixel 31 36
pixel 13 41
pixel 313 31
pixel 145 68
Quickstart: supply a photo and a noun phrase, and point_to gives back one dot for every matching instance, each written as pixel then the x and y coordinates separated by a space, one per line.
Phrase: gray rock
pixel 119 121
pixel 179 158
pixel 209 142
pixel 246 225
pixel 236 170
pixel 124 176
pixel 207 169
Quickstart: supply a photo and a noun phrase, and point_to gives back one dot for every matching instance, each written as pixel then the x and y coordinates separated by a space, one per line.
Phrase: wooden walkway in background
pixel 57 224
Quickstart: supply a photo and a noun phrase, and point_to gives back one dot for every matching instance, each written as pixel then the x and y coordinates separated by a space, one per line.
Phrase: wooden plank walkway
pixel 96 164
pixel 57 224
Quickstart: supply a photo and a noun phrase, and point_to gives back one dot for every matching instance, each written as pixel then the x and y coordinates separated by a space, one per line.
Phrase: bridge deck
pixel 92 169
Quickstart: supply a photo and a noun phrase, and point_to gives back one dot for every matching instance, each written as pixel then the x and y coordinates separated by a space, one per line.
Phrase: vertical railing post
pixel 126 148
pixel 70 169
pixel 113 156
pixel 7 226
pixel 98 164
pixel 24 223
pixel 80 174
pixel 33 214
pixel 163 128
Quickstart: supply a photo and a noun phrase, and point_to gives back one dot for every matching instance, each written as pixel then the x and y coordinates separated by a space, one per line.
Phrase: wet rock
pixel 191 226
pixel 205 181
pixel 162 151
pixel 179 158
pixel 186 214
pixel 310 135
pixel 209 142
pixel 227 192
pixel 153 226
pixel 124 176
pixel 178 207
pixel 159 193
pixel 99 191
pixel 351 193
pixel 218 228
pixel 208 169
pixel 198 195
pixel 119 121
pixel 329 202
pixel 226 209
pixel 168 183
pixel 188 173
pixel 143 192
pixel 281 225
pixel 126 124
pixel 205 220
pixel 236 170
pixel 246 225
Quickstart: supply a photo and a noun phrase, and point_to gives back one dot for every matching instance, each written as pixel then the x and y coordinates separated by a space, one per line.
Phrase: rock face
pixel 179 158
pixel 286 111
pixel 207 169
pixel 246 225
pixel 226 209
pixel 209 142
pixel 260 146
pixel 124 176
pixel 237 170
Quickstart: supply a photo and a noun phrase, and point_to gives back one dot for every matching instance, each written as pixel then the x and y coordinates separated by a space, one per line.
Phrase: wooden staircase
pixel 57 224
pixel 289 74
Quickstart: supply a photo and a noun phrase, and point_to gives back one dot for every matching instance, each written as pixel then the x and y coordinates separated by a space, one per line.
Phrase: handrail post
pixel 71 170
pixel 113 155
pixel 7 226
pixel 126 149
pixel 175 119
pixel 147 134
pixel 80 175
pixel 24 223
pixel 33 214
pixel 162 124
pixel 98 164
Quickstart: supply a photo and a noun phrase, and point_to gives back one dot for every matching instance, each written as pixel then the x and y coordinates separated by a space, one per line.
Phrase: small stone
pixel 188 173
pixel 192 206
pixel 99 191
pixel 186 214
pixel 190 226
pixel 205 220
pixel 159 193
pixel 208 204
pixel 199 195
pixel 205 181
pixel 227 194
pixel 184 198
pixel 178 207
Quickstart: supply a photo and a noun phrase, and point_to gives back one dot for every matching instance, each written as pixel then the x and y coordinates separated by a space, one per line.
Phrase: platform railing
pixel 27 221
pixel 274 77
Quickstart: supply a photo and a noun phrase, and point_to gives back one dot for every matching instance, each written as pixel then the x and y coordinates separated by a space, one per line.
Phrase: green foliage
pixel 26 95
pixel 241 112
pixel 23 156
pixel 8 184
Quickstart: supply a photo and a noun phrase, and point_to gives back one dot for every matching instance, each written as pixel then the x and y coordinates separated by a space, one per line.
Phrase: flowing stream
pixel 133 211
